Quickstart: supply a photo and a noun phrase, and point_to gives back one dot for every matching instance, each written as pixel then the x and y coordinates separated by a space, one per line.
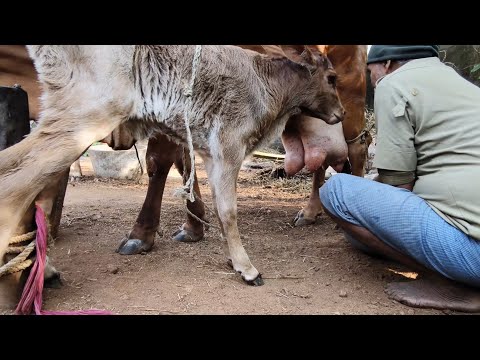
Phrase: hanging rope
pixel 186 191
pixel 138 158
pixel 32 295
pixel 206 223
pixel 363 134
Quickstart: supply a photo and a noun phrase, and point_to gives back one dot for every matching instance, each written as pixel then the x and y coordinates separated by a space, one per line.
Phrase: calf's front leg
pixel 222 175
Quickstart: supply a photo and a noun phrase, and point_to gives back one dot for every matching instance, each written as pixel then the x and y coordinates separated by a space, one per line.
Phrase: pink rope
pixel 32 295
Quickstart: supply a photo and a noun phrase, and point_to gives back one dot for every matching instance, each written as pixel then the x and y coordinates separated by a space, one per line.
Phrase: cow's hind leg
pixel 192 230
pixel 50 199
pixel 76 170
pixel 29 166
pixel 309 213
pixel 161 154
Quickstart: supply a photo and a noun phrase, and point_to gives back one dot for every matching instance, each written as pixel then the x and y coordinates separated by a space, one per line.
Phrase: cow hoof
pixel 186 236
pixel 51 277
pixel 258 281
pixel 132 247
pixel 230 263
pixel 53 282
pixel 301 220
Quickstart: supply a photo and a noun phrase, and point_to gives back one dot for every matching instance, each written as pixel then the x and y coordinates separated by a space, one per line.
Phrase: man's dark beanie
pixel 379 53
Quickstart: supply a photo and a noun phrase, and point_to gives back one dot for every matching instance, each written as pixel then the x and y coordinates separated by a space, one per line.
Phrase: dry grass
pixel 370 122
pixel 272 176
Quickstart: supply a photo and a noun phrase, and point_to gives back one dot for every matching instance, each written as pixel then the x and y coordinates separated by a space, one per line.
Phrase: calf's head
pixel 320 97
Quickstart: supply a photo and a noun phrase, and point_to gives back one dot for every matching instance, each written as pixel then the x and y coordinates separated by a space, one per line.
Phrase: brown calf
pixel 350 63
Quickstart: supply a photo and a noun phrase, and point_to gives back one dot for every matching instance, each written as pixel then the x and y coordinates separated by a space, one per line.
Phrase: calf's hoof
pixel 301 220
pixel 185 235
pixel 258 281
pixel 133 247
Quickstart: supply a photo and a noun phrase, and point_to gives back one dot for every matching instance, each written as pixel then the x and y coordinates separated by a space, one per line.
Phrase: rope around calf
pixel 186 192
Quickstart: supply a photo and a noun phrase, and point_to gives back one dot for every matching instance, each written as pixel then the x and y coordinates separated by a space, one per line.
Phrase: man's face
pixel 377 70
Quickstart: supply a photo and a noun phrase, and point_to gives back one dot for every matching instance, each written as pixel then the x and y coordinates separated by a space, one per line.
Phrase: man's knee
pixel 359 245
pixel 331 189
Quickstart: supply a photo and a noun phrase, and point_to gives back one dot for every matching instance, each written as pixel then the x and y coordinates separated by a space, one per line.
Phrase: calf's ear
pixel 270 50
pixel 306 55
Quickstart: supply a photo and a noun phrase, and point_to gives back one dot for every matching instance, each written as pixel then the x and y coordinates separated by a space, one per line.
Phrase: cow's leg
pixel 226 250
pixel 50 199
pixel 222 175
pixel 29 166
pixel 161 154
pixel 357 153
pixel 309 213
pixel 76 170
pixel 192 230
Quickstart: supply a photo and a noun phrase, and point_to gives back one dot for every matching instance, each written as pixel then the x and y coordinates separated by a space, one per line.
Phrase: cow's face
pixel 321 99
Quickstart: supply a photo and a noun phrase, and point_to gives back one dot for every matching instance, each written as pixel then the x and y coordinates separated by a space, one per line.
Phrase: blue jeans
pixel 406 222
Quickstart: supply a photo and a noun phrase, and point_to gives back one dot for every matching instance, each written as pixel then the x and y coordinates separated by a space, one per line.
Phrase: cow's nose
pixel 335 119
pixel 340 117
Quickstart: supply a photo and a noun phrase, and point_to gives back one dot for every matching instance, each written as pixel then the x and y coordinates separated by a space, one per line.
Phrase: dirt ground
pixel 308 270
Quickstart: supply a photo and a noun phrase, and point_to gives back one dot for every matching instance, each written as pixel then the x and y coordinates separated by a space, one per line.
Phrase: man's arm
pixel 395 153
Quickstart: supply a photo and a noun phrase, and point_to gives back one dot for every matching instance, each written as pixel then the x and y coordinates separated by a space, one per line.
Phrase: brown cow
pixel 329 143
pixel 241 100
pixel 350 62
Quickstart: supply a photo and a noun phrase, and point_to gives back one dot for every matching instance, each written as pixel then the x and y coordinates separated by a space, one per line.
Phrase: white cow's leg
pixel 27 167
pixel 76 169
